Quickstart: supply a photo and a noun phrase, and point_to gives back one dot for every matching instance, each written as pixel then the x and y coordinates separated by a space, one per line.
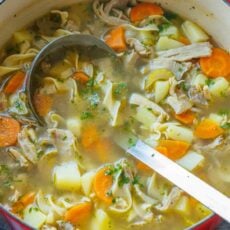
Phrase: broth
pixel 52 177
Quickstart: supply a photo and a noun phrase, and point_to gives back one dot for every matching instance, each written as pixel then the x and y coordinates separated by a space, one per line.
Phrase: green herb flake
pixel 209 82
pixel 170 15
pixel 226 126
pixel 164 26
pixel 86 115
pixel 131 142
pixel 123 180
pixel 120 88
pixel 184 87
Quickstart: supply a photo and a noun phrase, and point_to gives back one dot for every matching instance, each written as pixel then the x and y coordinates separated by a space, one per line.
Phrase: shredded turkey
pixel 188 52
pixel 198 96
pixel 178 69
pixel 179 104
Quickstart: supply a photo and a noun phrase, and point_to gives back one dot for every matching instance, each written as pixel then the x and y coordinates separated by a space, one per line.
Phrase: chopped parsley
pixel 131 142
pixel 86 115
pixel 170 15
pixel 123 179
pixel 184 86
pixel 120 88
pixel 164 26
pixel 226 126
pixel 209 82
pixel 113 170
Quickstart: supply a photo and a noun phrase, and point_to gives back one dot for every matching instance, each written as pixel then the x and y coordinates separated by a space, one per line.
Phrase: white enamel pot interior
pixel 214 17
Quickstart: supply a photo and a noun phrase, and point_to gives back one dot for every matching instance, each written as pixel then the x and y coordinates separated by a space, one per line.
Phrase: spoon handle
pixel 207 195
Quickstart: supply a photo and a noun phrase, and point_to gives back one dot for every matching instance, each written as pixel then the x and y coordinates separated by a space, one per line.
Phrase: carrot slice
pixel 144 10
pixel 143 167
pixel 184 40
pixel 116 39
pixel 78 213
pixel 173 149
pixel 208 129
pixel 102 184
pixel 186 117
pixel 43 104
pixel 89 136
pixel 102 148
pixel 9 130
pixel 15 83
pixel 23 202
pixel 81 77
pixel 217 65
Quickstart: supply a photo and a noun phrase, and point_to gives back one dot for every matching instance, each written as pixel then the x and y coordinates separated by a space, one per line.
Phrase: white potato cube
pixel 161 90
pixel 193 32
pixel 165 43
pixel 87 182
pixel 34 217
pixel 179 133
pixel 219 87
pixel 67 176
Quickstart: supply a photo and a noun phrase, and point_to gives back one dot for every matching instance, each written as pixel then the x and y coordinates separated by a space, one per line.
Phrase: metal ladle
pixel 91 45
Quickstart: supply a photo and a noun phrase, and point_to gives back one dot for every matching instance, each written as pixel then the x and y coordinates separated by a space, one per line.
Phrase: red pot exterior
pixel 16 224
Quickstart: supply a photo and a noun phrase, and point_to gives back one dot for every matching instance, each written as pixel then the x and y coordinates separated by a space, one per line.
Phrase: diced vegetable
pixel 167 29
pixel 219 87
pixel 199 80
pixel 161 90
pixel 165 43
pixel 22 36
pixel 78 213
pixel 102 184
pixel 216 117
pixel 101 221
pixel 145 116
pixel 34 217
pixel 24 201
pixel 15 83
pixel 208 129
pixel 74 125
pixel 155 75
pixel 193 32
pixel 182 206
pixel 9 130
pixel 144 10
pixel 81 77
pixel 173 149
pixel 42 103
pixel 116 39
pixel 67 176
pixel 146 37
pixel 186 117
pixel 179 133
pixel 184 40
pixel 217 65
pixel 89 136
pixel 191 160
pixel 87 182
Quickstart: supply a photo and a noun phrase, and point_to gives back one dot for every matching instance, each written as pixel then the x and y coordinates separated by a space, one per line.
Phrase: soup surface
pixel 170 88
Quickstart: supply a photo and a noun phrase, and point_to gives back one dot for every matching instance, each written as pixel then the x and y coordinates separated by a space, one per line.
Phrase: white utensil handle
pixel 207 195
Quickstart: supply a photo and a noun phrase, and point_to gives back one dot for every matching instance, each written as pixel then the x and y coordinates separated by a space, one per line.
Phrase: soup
pixel 169 88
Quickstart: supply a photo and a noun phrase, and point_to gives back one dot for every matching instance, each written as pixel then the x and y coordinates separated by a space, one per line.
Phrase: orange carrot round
pixel 184 40
pixel 81 77
pixel 102 148
pixel 186 117
pixel 116 39
pixel 90 135
pixel 208 129
pixel 102 184
pixel 217 65
pixel 15 83
pixel 78 213
pixel 9 129
pixel 144 10
pixel 43 104
pixel 173 149
pixel 23 202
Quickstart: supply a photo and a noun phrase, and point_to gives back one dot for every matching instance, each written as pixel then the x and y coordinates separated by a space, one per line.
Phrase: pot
pixel 214 17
